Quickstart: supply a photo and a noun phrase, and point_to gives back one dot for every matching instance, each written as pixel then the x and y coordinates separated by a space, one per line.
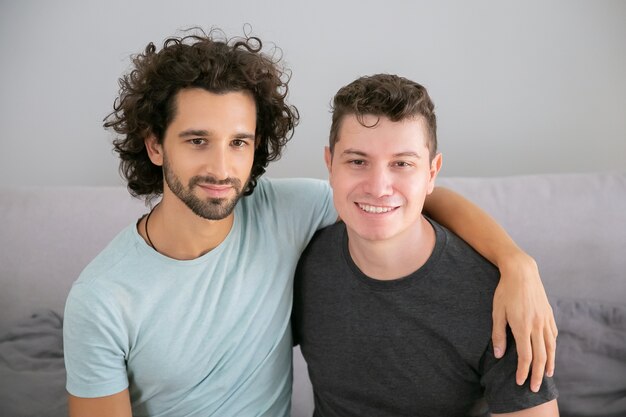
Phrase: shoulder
pixel 329 235
pixel 295 188
pixel 322 260
pixel 453 248
pixel 300 203
pixel 113 257
pixel 325 242
pixel 95 294
pixel 455 262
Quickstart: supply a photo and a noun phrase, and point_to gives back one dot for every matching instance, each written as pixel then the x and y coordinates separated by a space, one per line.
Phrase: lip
pixel 215 191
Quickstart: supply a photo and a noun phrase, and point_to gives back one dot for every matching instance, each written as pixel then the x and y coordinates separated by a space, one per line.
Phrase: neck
pixel 390 259
pixel 177 232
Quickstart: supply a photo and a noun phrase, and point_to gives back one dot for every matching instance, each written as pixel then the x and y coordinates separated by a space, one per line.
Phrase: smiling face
pixel 381 175
pixel 207 151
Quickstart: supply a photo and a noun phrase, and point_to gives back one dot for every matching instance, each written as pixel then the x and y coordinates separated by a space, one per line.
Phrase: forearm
pixel 474 226
pixel 549 409
pixel 117 405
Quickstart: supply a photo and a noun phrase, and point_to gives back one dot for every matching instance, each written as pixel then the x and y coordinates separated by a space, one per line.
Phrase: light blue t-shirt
pixel 205 337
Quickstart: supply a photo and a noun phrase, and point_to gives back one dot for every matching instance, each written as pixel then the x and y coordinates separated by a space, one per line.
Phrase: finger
pixel 524 356
pixel 498 333
pixel 550 339
pixel 554 328
pixel 539 360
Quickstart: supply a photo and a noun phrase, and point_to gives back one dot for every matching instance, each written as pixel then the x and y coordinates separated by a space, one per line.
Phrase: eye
pixel 197 141
pixel 239 143
pixel 357 162
pixel 402 164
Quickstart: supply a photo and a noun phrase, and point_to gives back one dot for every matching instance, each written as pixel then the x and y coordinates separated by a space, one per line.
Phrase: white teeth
pixel 374 209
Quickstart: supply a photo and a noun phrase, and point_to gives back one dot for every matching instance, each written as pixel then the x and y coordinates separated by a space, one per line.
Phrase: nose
pixel 378 182
pixel 217 163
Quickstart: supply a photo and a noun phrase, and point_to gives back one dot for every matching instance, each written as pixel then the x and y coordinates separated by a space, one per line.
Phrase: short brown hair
pixel 147 99
pixel 387 95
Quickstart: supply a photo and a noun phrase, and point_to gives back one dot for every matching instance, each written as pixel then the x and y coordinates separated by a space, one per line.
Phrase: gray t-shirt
pixel 414 346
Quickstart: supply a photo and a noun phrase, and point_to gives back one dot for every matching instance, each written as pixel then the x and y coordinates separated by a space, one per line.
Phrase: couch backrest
pixel 48 235
pixel 574 225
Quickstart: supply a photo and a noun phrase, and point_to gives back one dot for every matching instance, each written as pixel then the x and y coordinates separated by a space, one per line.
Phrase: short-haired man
pixel 392 311
pixel 187 312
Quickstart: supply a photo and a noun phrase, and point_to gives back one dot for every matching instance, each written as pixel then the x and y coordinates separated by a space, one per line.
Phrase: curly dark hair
pixel 391 96
pixel 146 102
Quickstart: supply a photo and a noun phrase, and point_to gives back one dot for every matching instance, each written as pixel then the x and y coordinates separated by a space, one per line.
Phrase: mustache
pixel 198 179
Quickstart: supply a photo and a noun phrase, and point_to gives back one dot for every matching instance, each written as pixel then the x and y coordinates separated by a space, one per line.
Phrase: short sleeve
pixel 501 391
pixel 95 346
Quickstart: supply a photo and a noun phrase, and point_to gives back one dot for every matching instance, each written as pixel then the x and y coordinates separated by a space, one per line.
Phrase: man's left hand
pixel 520 300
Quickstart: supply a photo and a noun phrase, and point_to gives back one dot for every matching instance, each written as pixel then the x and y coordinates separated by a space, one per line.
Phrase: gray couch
pixel 574 225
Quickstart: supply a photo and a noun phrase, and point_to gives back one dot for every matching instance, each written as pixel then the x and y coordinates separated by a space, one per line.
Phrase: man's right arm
pixel 549 409
pixel 95 345
pixel 116 405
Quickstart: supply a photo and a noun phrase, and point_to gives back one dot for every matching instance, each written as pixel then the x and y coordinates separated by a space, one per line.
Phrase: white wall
pixel 520 87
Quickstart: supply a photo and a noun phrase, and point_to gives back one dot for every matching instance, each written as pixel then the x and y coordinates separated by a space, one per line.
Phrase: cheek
pixel 414 187
pixel 431 187
pixel 244 161
pixel 343 186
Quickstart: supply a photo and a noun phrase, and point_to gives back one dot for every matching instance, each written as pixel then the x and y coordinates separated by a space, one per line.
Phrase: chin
pixel 370 234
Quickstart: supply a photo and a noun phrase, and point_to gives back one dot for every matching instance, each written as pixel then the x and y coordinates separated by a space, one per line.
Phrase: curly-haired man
pixel 187 312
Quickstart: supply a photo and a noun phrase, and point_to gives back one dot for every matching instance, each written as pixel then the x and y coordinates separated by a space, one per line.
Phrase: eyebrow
pixel 404 154
pixel 409 154
pixel 193 132
pixel 203 133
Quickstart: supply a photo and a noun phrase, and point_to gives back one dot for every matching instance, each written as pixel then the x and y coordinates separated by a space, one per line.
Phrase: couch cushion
pixel 32 373
pixel 591 358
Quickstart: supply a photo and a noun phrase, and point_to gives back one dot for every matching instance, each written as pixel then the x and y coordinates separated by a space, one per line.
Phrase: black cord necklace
pixel 146 229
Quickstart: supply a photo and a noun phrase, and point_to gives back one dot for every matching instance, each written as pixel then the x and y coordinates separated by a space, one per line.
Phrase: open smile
pixel 368 208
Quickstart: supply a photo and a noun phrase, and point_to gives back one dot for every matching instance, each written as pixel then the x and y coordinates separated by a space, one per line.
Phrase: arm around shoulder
pixel 471 223
pixel 520 298
pixel 549 409
pixel 117 405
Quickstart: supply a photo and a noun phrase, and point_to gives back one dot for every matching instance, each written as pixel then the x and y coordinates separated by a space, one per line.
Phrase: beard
pixel 210 208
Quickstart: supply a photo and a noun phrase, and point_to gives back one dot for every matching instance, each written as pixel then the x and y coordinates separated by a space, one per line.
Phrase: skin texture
pixel 549 409
pixel 381 177
pixel 117 405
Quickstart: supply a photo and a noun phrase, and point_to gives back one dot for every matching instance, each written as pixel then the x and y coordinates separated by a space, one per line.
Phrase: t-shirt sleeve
pixel 95 346
pixel 501 391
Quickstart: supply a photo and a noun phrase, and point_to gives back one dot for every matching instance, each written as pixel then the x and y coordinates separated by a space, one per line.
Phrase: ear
pixel 435 167
pixel 328 157
pixel 154 149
